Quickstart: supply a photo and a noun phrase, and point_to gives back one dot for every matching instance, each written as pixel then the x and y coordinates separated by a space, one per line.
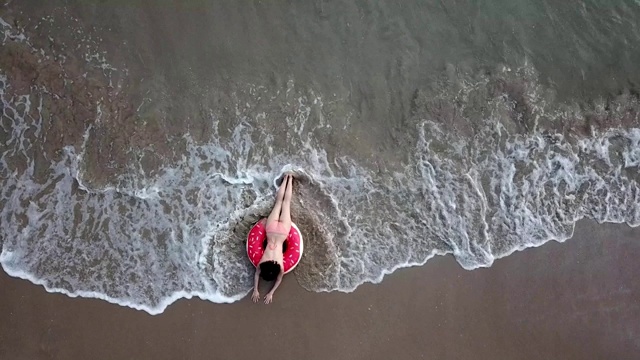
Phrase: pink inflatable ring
pixel 292 248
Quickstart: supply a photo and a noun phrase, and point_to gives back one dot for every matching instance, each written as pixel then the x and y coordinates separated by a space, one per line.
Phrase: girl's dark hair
pixel 269 270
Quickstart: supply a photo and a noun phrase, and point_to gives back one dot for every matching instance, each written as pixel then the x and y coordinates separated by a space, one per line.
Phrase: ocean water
pixel 134 195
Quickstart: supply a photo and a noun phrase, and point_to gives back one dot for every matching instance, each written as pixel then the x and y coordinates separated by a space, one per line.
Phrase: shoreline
pixel 570 300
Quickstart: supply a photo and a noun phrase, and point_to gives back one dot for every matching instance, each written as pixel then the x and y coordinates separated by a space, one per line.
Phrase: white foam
pixel 145 242
pixel 158 309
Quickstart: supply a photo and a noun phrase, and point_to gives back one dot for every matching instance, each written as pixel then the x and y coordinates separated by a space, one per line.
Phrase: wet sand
pixel 575 300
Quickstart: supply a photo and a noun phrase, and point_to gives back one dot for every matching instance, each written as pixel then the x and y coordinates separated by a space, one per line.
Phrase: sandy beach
pixel 574 300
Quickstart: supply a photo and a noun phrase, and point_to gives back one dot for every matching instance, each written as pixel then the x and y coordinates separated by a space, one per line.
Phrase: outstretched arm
pixel 269 297
pixel 256 280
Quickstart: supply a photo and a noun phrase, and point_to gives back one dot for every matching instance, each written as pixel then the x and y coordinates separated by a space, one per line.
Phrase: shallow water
pixel 140 143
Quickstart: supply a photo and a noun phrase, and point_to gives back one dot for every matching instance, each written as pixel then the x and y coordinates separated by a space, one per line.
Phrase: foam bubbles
pixel 148 240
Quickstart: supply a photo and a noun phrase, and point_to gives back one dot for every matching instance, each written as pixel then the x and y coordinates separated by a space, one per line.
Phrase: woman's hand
pixel 255 296
pixel 268 298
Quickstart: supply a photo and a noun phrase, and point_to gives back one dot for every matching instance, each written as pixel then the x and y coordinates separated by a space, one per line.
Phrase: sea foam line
pixel 160 308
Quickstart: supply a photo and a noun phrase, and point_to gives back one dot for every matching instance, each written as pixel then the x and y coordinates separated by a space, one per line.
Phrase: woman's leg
pixel 275 213
pixel 285 216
